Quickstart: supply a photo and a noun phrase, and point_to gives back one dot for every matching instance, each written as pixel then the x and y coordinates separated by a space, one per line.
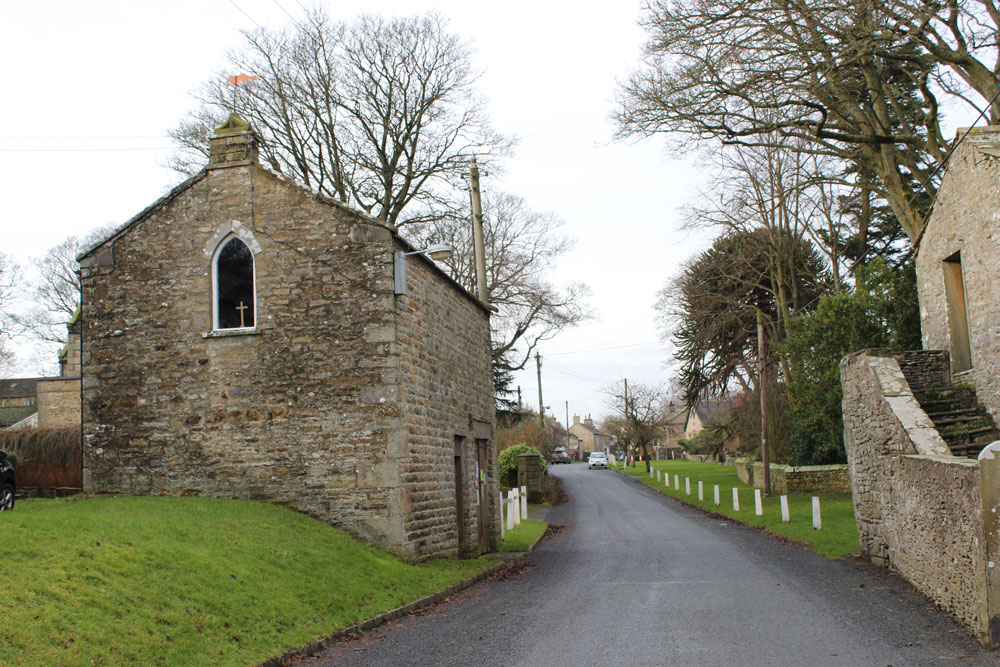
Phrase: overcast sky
pixel 92 87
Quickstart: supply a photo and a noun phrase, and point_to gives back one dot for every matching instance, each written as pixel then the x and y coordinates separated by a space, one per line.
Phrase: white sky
pixel 98 75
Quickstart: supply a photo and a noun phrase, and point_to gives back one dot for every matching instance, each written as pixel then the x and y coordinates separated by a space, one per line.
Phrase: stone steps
pixel 963 424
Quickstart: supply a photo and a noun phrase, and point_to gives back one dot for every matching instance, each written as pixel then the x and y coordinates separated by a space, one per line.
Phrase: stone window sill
pixel 226 333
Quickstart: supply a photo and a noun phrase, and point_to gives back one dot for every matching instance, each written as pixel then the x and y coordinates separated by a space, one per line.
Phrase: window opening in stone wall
pixel 233 280
pixel 958 322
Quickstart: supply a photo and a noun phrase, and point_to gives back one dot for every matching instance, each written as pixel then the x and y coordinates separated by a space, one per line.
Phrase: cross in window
pixel 241 308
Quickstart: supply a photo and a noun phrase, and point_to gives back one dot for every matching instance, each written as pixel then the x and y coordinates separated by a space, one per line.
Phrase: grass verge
pixel 838 536
pixel 175 581
pixel 522 538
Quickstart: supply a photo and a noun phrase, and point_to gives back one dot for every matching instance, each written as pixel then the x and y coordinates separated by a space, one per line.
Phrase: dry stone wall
pixel 918 508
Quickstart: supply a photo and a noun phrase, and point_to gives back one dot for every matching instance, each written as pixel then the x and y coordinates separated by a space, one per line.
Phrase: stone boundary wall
pixel 791 479
pixel 918 509
pixel 700 458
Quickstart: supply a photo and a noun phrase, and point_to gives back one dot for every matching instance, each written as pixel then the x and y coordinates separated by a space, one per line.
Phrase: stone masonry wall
pixel 301 410
pixel 445 398
pixel 918 509
pixel 789 479
pixel 964 219
pixel 58 402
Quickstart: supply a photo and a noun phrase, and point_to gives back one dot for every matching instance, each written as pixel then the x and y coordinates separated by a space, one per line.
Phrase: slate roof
pixel 18 387
pixel 14 413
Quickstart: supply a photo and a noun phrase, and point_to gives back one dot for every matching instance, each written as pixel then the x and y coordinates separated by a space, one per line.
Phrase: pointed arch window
pixel 233 285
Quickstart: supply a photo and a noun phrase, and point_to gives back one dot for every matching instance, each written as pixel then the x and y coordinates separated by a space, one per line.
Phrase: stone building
pixel 247 338
pixel 591 438
pixel 958 261
pixel 916 422
pixel 46 402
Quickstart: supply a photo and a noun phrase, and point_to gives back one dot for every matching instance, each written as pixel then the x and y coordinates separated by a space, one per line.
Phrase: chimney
pixel 588 421
pixel 234 144
pixel 576 420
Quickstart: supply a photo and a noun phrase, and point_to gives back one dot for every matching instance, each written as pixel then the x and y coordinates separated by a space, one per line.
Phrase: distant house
pixel 17 400
pixel 46 402
pixel 669 446
pixel 592 439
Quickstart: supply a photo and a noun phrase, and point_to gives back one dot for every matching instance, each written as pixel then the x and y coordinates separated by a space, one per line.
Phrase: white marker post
pixel 677 482
pixel 701 491
pixel 510 510
pixel 717 495
pixel 524 502
pixel 817 520
pixel 784 509
pixel 651 471
pixel 687 485
pixel 736 500
pixel 659 476
pixel 757 503
pixel 503 524
pixel 516 507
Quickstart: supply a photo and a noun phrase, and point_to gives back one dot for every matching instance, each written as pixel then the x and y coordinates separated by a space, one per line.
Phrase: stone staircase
pixel 959 418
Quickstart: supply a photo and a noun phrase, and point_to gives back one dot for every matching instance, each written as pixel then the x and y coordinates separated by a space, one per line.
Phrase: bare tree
pixel 638 415
pixel 858 80
pixel 9 281
pixel 381 114
pixel 56 289
pixel 520 246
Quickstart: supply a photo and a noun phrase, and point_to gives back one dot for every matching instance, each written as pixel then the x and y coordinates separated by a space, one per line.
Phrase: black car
pixel 561 456
pixel 6 483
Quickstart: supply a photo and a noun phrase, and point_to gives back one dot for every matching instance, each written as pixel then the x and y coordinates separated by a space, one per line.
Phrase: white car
pixel 597 460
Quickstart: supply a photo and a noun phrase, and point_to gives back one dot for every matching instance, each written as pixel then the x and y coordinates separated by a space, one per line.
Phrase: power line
pixel 601 349
pixel 233 3
pixel 138 136
pixel 283 9
pixel 82 150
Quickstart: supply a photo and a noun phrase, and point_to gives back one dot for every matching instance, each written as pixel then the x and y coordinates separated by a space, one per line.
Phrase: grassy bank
pixel 175 581
pixel 838 537
pixel 524 537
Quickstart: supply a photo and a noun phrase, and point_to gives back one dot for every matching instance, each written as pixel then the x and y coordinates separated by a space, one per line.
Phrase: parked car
pixel 7 484
pixel 597 460
pixel 560 456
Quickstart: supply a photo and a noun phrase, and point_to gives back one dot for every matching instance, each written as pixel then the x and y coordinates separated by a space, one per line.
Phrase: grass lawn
pixel 185 581
pixel 838 536
pixel 522 538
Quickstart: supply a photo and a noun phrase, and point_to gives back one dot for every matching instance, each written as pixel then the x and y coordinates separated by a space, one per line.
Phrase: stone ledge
pixel 226 333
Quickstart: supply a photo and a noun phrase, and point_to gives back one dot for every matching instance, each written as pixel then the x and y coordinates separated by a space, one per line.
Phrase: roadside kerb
pixel 288 657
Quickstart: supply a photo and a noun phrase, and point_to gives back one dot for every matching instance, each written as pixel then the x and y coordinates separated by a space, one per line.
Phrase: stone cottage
pixel 916 422
pixel 244 337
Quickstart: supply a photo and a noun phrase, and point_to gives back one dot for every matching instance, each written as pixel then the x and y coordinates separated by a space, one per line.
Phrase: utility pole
pixel 541 406
pixel 626 421
pixel 761 380
pixel 518 400
pixel 567 424
pixel 478 237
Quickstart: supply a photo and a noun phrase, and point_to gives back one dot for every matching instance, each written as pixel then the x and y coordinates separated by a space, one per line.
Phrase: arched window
pixel 233 284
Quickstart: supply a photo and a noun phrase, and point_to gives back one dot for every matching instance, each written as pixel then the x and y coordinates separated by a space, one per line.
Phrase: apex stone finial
pixel 234 144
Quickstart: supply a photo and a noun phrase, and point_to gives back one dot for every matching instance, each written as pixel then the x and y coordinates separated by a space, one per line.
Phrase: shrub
pixel 507 462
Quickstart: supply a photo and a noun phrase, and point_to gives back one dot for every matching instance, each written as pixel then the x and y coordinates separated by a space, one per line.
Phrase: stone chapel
pixel 245 337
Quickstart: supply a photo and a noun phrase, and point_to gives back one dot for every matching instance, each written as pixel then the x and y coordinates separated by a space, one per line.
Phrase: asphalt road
pixel 639 579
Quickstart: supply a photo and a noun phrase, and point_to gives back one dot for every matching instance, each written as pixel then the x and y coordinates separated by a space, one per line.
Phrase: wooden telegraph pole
pixel 541 406
pixel 478 238
pixel 762 382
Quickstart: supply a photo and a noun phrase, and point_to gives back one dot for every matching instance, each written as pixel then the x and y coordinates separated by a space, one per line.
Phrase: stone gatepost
pixel 529 474
pixel 989 492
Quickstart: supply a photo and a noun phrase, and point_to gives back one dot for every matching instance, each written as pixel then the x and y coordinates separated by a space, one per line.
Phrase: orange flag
pixel 241 78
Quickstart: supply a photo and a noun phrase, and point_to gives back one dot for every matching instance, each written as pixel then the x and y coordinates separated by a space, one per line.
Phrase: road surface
pixel 639 579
